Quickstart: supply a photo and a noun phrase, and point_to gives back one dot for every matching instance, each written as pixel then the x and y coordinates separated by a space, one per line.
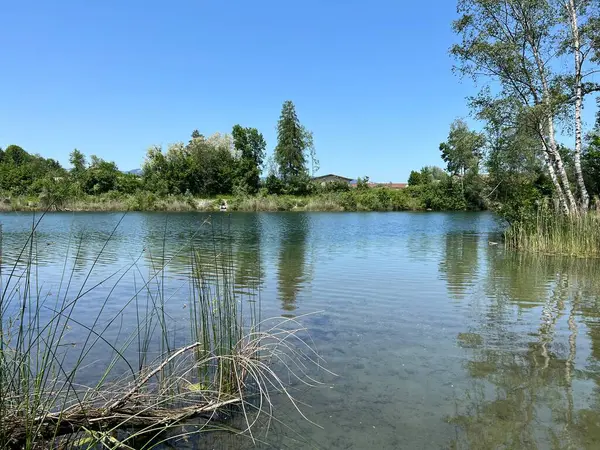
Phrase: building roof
pixel 332 175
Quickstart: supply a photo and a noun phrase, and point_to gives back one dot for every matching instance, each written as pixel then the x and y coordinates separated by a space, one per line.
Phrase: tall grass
pixel 221 366
pixel 549 233
pixel 374 199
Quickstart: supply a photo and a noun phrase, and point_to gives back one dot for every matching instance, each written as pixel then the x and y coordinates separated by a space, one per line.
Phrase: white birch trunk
pixel 551 170
pixel 560 167
pixel 550 146
pixel 572 11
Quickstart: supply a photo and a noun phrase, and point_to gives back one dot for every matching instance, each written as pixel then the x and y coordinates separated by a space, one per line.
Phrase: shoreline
pixel 371 200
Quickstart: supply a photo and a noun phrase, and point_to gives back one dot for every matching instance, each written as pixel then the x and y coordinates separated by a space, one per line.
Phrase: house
pixel 331 178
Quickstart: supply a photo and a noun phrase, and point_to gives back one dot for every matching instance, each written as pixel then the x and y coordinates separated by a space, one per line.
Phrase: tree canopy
pixel 518 44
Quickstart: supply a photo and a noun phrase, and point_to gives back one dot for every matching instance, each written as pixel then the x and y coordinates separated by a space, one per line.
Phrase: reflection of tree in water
pixel 525 389
pixel 169 240
pixel 517 278
pixel 173 241
pixel 292 258
pixel 422 247
pixel 460 262
pixel 222 248
pixel 249 272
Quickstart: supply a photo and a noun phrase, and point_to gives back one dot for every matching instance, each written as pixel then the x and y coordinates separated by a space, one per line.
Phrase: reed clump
pixel 551 233
pixel 150 382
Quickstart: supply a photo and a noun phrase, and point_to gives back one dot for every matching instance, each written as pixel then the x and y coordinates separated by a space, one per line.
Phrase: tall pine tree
pixel 290 153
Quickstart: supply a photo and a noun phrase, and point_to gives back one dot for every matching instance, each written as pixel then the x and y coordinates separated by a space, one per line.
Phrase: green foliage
pixel 517 178
pixel 540 229
pixel 591 165
pixel 100 177
pixel 462 153
pixel 274 185
pixel 435 189
pixel 432 174
pixel 294 148
pixel 444 195
pixel 78 161
pixel 250 146
pixel 299 185
pixel 205 167
pixel 16 156
pixel 362 183
pixel 289 153
pixel 415 178
pixel 378 199
pixel 463 150
pixel 332 186
pixel 128 183
pixel 142 201
pixel 521 47
pixel 24 174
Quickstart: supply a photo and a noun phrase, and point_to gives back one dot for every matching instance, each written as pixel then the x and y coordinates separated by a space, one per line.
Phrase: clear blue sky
pixel 372 80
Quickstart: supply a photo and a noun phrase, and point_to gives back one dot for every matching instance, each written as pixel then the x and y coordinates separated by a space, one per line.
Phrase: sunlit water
pixel 439 337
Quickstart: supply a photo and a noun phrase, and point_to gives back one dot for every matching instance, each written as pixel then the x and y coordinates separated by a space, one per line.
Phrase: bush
pixel 300 185
pixel 331 186
pixel 142 201
pixel 274 185
pixel 444 196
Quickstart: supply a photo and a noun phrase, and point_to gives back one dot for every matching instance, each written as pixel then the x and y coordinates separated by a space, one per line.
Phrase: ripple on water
pixel 439 340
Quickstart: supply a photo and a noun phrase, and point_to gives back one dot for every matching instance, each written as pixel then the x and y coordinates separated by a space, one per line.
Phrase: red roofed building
pixel 389 185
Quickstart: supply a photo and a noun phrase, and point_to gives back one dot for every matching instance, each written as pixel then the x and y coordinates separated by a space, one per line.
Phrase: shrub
pixel 142 201
pixel 274 185
pixel 332 186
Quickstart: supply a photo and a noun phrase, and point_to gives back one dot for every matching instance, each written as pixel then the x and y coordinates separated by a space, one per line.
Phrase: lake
pixel 439 337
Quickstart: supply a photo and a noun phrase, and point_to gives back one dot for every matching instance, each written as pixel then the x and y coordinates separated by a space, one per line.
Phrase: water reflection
pixel 292 258
pixel 249 273
pixel 459 263
pixel 527 388
pixel 513 364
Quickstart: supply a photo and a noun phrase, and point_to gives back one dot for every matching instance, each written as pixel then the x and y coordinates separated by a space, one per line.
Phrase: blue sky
pixel 372 80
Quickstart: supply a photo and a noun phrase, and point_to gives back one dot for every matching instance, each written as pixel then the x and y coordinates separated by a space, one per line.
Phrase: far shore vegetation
pixel 206 172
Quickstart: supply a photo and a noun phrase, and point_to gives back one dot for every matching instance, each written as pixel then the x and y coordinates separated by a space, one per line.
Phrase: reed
pixel 222 367
pixel 557 234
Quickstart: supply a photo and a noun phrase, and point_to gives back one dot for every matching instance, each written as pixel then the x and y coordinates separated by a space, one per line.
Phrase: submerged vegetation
pixel 157 381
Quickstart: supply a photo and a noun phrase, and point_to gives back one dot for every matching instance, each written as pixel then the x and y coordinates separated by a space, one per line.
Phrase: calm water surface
pixel 440 339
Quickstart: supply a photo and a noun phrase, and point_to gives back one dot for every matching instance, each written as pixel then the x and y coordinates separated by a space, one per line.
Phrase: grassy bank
pixel 148 383
pixel 557 234
pixel 373 199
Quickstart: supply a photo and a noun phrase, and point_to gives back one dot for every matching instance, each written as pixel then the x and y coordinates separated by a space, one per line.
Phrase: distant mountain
pixel 135 172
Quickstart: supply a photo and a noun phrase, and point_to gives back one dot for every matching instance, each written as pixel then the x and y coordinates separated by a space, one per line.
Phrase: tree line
pixel 511 179
pixel 219 164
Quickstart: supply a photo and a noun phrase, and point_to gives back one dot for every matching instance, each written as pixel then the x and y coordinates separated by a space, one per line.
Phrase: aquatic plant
pixel 229 363
pixel 559 234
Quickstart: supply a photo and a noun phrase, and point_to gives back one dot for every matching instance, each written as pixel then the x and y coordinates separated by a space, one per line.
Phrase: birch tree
pixel 513 42
pixel 580 18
